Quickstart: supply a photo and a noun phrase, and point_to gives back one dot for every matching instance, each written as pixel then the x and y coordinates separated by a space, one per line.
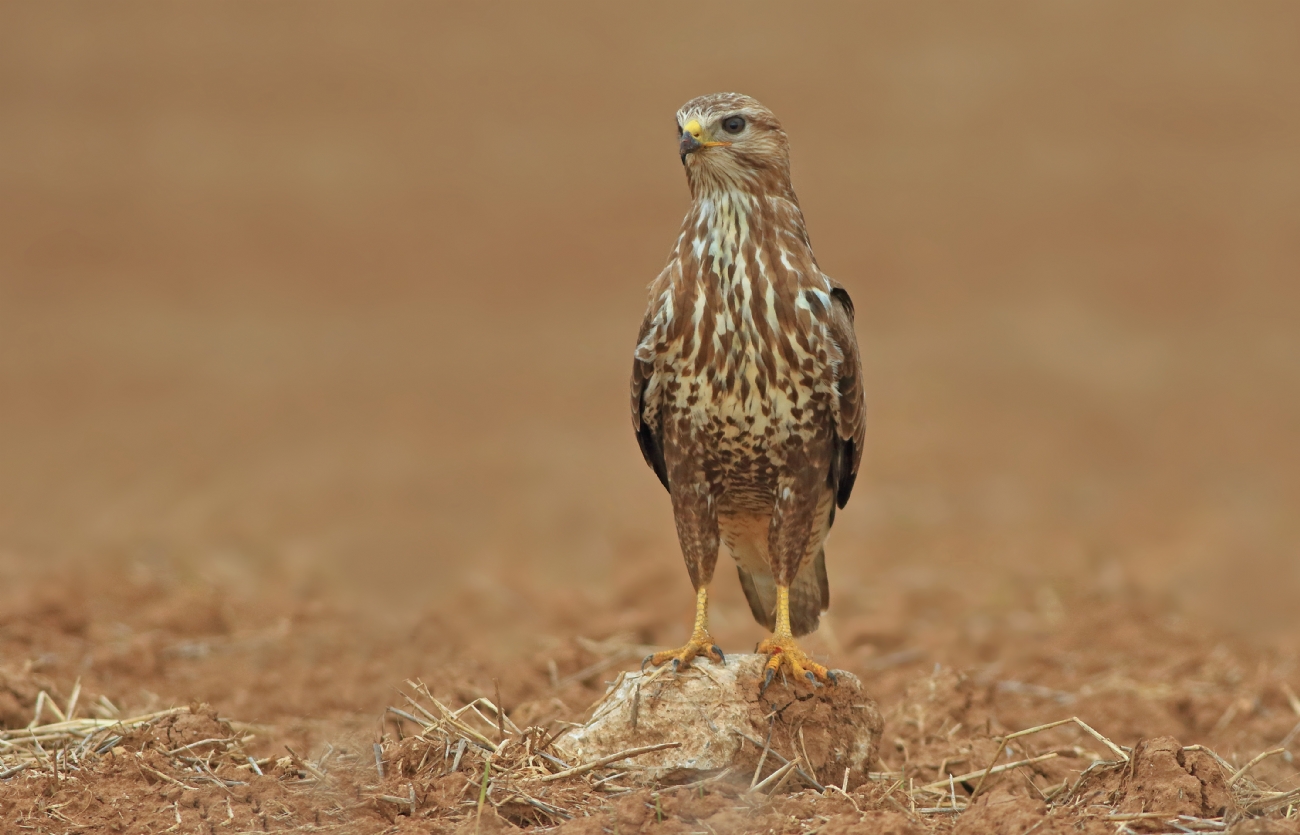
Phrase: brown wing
pixel 646 422
pixel 851 408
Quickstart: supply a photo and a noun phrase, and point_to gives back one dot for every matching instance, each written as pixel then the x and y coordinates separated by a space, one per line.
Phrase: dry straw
pixel 1251 799
pixel 516 774
pixel 524 773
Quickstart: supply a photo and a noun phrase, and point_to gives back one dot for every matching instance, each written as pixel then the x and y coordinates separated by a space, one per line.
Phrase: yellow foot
pixel 784 652
pixel 699 644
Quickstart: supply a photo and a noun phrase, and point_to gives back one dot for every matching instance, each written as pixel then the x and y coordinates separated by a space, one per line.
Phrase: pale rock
pixel 722 722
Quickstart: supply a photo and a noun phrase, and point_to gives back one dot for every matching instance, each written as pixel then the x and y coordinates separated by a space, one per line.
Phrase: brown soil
pixel 314 328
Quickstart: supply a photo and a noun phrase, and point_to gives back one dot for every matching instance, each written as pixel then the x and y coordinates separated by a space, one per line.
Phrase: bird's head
pixel 730 141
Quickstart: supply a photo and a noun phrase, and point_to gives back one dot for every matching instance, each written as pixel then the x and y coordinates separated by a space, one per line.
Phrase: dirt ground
pixel 315 324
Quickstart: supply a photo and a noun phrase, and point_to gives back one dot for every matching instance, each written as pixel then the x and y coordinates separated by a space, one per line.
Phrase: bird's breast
pixel 742 353
pixel 742 378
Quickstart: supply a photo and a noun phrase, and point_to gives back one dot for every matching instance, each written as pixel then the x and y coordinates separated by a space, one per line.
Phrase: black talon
pixel 812 679
pixel 767 679
pixel 830 675
pixel 676 663
pixel 646 661
pixel 722 659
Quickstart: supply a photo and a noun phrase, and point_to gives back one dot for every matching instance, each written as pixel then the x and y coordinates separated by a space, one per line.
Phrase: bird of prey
pixel 747 394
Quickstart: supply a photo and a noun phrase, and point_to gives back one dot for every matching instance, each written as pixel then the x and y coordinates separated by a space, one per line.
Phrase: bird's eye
pixel 733 124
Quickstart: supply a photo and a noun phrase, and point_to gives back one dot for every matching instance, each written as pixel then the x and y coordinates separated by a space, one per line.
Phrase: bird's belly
pixel 741 431
pixel 745 535
pixel 740 415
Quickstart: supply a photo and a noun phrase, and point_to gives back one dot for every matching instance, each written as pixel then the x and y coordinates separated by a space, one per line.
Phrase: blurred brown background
pixel 341 297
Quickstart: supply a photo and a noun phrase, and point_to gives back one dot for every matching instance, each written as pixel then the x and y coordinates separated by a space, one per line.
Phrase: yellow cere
pixel 693 128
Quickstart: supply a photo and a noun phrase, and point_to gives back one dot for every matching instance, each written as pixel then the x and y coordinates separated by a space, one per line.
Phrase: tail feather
pixel 760 591
pixel 809 596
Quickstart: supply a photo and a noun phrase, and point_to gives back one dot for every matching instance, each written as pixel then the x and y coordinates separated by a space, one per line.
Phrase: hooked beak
pixel 694 138
pixel 688 144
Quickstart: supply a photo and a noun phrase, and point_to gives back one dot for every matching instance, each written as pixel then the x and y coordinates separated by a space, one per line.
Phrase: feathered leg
pixel 697 532
pixel 799 526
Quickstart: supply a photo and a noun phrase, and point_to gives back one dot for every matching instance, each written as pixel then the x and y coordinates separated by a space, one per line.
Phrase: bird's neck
pixel 718 234
pixel 725 230
pixel 712 178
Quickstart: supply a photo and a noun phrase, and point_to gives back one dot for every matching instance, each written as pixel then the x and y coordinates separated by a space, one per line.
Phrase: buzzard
pixel 747 394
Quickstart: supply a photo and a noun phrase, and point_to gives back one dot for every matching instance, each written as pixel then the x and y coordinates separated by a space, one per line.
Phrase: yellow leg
pixel 701 642
pixel 782 651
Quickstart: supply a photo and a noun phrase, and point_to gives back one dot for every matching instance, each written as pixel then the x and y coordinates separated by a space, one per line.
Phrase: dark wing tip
pixel 847 473
pixel 652 450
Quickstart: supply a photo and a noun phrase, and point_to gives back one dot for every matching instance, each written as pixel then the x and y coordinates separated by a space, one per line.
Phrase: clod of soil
pixel 724 724
pixel 1163 777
